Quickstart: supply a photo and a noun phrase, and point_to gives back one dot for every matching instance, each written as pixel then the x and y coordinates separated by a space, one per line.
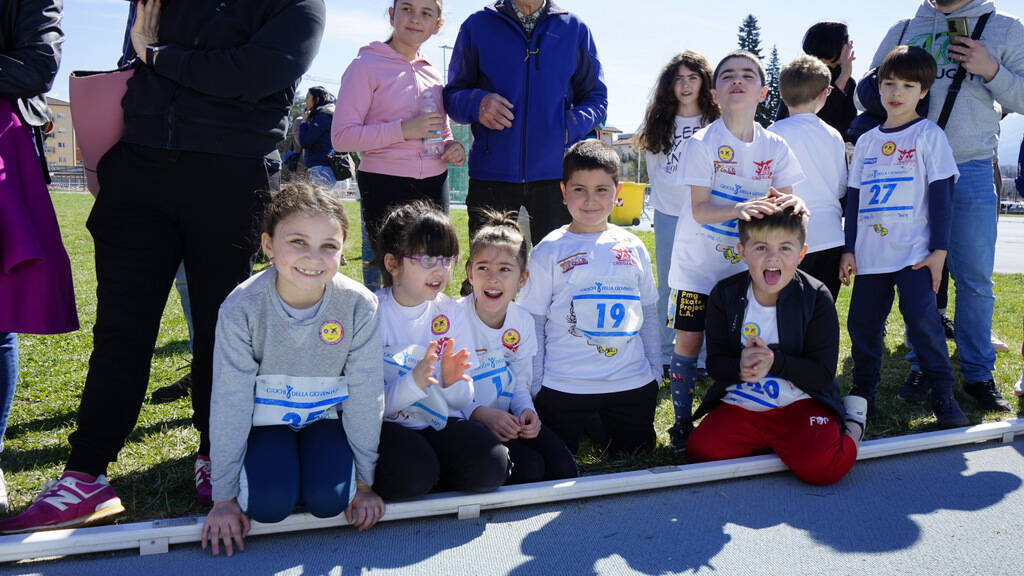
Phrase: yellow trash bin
pixel 629 204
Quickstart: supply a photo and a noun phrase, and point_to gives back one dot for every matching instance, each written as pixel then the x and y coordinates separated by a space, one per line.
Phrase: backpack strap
pixel 958 78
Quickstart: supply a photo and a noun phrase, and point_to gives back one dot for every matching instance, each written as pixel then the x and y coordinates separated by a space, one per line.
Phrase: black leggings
pixel 380 192
pixel 627 416
pixel 542 458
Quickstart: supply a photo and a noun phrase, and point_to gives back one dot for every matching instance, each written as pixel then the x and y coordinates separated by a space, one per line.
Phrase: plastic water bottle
pixel 433 144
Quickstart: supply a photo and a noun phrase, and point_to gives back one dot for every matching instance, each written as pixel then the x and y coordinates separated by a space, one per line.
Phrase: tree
pixel 750 35
pixel 767 110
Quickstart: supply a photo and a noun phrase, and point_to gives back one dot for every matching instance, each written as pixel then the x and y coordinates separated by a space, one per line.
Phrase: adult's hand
pixel 974 57
pixel 496 112
pixel 846 58
pixel 145 30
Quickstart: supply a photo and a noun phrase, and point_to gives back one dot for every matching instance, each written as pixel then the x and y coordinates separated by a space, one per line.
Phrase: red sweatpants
pixel 805 435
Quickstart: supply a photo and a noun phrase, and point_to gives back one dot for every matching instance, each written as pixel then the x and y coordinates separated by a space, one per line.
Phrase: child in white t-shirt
pixel 680 106
pixel 730 167
pixel 425 441
pixel 591 292
pixel 805 85
pixel 898 216
pixel 506 344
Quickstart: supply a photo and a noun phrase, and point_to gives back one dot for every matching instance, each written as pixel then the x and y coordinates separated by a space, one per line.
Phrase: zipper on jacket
pixel 529 54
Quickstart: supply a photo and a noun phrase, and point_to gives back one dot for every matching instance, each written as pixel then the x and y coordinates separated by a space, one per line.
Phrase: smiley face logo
pixel 751 330
pixel 888 148
pixel 331 333
pixel 510 339
pixel 439 325
pixel 725 153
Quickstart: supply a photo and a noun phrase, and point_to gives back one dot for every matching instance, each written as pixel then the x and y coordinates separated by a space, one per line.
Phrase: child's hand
pixel 755 360
pixel 453 153
pixel 783 201
pixel 454 366
pixel 847 267
pixel 365 509
pixel 502 424
pixel 226 522
pixel 934 262
pixel 751 209
pixel 530 423
pixel 429 124
pixel 423 373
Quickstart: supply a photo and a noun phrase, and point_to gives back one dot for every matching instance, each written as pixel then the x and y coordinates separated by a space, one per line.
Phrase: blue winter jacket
pixel 553 80
pixel 315 137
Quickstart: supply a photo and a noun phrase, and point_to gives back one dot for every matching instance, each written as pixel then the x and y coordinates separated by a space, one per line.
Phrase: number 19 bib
pixel 607 309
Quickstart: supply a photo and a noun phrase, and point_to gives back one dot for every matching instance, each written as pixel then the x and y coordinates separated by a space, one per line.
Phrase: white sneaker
pixel 1018 387
pixel 998 344
pixel 3 493
pixel 857 413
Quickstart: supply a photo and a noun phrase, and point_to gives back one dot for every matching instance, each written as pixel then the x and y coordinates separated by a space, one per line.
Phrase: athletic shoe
pixel 856 409
pixel 678 434
pixel 914 389
pixel 947 325
pixel 868 395
pixel 204 486
pixel 68 502
pixel 998 344
pixel 3 494
pixel 948 413
pixel 1018 387
pixel 172 392
pixel 987 396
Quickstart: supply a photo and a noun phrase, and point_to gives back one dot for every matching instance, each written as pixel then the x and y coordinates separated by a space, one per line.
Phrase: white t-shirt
pixel 771 392
pixel 822 155
pixel 405 333
pixel 893 171
pixel 591 288
pixel 667 195
pixel 736 171
pixel 505 359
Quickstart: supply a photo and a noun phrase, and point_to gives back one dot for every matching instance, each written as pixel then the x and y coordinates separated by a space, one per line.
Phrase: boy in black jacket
pixel 773 345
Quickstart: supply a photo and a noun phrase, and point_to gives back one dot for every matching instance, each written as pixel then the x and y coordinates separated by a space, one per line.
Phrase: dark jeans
pixel 156 209
pixel 869 307
pixel 463 455
pixel 380 192
pixel 824 265
pixel 284 467
pixel 628 416
pixel 542 458
pixel 543 200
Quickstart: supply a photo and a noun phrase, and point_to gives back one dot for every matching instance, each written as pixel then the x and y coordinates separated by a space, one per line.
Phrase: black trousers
pixel 628 416
pixel 464 455
pixel 542 458
pixel 380 192
pixel 543 200
pixel 824 265
pixel 157 208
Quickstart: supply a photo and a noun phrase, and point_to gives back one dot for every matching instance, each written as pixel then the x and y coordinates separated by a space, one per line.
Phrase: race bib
pixel 296 401
pixel 492 380
pixel 887 195
pixel 607 310
pixel 768 394
pixel 726 190
pixel 434 408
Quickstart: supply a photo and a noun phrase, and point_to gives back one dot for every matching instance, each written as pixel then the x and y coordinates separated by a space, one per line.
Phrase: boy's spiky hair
pixel 786 220
pixel 590 155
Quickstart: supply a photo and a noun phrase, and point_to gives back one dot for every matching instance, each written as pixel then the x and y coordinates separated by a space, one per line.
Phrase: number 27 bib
pixel 886 195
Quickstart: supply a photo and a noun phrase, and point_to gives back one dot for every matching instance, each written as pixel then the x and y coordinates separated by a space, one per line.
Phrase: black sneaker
pixel 679 434
pixel 948 413
pixel 914 389
pixel 987 396
pixel 947 325
pixel 172 392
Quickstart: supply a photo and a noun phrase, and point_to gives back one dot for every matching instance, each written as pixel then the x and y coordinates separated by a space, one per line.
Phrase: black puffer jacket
pixel 30 43
pixel 226 77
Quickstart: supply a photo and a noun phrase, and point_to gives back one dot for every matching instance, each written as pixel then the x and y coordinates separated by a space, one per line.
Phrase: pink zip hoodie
pixel 379 90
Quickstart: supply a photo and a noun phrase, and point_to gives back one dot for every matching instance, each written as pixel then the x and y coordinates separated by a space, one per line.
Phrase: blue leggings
pixel 283 467
pixel 8 378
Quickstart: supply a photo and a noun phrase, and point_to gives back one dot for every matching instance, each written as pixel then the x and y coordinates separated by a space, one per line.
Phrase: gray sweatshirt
pixel 257 341
pixel 973 128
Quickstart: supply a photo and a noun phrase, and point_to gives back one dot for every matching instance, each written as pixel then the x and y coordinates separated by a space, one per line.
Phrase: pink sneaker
pixel 204 487
pixel 68 502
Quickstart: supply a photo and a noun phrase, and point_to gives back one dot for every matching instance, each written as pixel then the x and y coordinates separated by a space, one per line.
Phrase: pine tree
pixel 767 110
pixel 750 35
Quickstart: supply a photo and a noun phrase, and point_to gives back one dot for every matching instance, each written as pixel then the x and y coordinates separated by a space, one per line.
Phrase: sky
pixel 634 39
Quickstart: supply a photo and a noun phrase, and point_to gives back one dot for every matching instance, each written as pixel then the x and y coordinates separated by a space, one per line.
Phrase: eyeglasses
pixel 430 262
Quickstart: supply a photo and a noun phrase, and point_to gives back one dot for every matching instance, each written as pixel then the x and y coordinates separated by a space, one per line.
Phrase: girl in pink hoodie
pixel 378 114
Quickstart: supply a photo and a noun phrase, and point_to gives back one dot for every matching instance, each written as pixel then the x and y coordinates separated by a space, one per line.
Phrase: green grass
pixel 153 475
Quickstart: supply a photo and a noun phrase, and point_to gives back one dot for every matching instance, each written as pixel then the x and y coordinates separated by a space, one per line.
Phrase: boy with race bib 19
pixel 592 295
pixel 898 217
